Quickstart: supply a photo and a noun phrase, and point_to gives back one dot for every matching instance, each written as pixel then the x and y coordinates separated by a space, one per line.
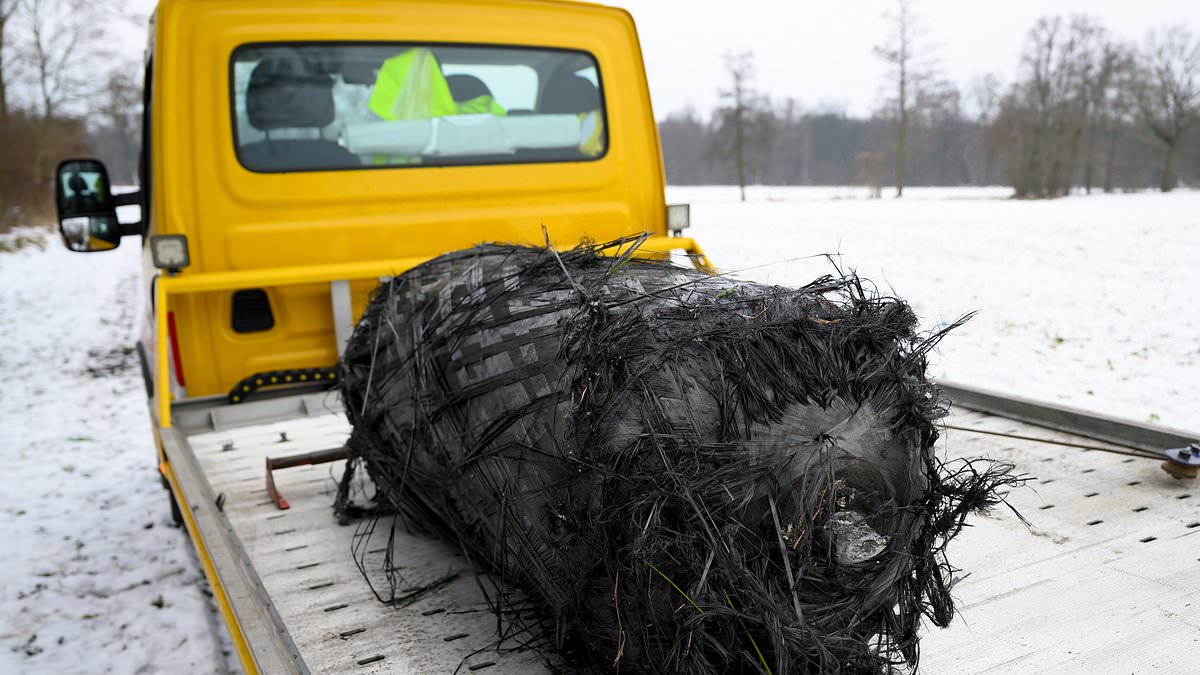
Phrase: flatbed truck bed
pixel 309 607
pixel 1103 579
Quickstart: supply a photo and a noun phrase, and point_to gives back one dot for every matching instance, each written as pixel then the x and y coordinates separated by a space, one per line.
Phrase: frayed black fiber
pixel 679 473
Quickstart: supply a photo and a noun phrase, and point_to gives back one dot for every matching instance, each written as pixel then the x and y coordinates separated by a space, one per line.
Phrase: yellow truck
pixel 294 154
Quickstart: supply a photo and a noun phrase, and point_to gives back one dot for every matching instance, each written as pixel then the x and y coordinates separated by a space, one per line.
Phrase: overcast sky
pixel 820 52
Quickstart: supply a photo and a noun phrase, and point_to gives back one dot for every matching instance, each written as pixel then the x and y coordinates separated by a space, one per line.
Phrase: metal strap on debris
pixel 1051 441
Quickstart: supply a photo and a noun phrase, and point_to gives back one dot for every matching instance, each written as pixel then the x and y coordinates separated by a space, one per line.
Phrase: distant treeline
pixel 832 148
pixel 1087 110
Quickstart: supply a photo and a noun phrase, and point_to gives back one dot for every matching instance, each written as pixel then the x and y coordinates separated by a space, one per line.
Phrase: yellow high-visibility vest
pixel 411 86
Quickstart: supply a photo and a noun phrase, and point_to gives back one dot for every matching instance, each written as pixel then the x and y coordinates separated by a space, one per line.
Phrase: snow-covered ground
pixel 1090 301
pixel 95 578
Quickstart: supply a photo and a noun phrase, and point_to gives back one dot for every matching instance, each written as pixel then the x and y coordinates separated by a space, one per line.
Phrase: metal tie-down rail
pixel 1181 460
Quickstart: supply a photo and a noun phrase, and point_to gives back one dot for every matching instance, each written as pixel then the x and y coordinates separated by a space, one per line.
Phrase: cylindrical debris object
pixel 686 473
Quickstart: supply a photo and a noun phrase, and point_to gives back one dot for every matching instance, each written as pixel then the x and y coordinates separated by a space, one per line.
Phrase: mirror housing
pixel 87 214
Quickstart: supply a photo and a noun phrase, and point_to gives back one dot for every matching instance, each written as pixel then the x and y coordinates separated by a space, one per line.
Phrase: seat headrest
pixel 359 72
pixel 77 183
pixel 466 87
pixel 284 93
pixel 569 94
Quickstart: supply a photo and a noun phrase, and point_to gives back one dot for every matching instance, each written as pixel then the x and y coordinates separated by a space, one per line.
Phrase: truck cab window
pixel 321 107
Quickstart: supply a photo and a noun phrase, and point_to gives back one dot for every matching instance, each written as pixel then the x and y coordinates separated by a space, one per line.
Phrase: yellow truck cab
pixel 294 153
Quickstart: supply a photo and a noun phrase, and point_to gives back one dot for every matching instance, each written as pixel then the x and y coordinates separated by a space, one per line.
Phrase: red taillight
pixel 175 349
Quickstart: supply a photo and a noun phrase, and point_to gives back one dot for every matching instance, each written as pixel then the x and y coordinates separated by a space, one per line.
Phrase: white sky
pixel 820 51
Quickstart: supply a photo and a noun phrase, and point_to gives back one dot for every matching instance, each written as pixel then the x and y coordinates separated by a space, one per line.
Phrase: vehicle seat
pixel 284 94
pixel 359 72
pixel 473 95
pixel 565 94
pixel 569 94
pixel 466 87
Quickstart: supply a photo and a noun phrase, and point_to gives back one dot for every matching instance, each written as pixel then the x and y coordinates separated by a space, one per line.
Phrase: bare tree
pixel 1117 114
pixel 1084 74
pixel 742 120
pixel 60 42
pixel 64 40
pixel 1043 119
pixel 1108 102
pixel 938 132
pixel 1168 94
pixel 984 96
pixel 114 126
pixel 909 69
pixel 8 9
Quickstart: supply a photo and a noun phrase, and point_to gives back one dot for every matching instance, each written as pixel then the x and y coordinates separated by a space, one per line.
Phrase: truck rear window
pixel 335 106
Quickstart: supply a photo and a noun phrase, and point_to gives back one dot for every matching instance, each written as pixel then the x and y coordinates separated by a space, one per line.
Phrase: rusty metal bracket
pixel 318 457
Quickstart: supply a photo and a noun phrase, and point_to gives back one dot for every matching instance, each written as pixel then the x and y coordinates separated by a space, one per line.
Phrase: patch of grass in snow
pixel 111 361
pixel 16 242
pixel 38 588
pixel 158 602
pixel 1154 417
pixel 29 648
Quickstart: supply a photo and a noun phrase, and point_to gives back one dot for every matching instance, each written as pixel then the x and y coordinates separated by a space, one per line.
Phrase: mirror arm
pixel 130 199
pixel 131 229
pixel 127 198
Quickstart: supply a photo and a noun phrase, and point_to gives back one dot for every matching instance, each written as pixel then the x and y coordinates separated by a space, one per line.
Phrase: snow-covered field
pixel 1089 301
pixel 95 578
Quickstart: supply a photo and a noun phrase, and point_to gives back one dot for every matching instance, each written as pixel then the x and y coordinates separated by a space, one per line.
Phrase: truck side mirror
pixel 87 216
